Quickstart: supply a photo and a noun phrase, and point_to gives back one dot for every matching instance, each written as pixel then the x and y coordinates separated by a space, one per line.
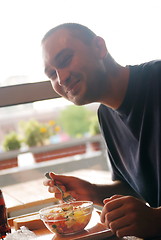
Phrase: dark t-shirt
pixel 133 133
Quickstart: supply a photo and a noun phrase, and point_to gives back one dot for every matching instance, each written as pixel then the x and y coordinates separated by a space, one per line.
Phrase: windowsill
pixel 26 197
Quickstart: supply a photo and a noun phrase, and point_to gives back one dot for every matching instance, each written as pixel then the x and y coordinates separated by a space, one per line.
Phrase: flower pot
pixel 8 163
pixel 96 146
pixel 59 153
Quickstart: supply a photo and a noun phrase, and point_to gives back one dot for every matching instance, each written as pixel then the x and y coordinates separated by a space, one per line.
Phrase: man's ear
pixel 100 46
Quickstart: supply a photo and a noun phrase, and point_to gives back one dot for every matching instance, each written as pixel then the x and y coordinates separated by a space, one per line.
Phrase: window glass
pixel 39 124
pixel 50 135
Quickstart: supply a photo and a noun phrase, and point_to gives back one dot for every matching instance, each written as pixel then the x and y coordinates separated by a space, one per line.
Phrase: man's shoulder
pixel 148 72
pixel 103 109
pixel 154 65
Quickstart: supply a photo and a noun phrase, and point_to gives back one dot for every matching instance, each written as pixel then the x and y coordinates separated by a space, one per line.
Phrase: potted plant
pixel 37 138
pixel 35 133
pixel 11 142
pixel 11 145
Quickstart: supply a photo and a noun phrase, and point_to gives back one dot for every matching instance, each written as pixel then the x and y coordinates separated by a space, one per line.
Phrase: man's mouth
pixel 72 87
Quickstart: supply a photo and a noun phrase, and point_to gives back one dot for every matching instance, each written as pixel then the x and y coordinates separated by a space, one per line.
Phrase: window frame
pixel 26 93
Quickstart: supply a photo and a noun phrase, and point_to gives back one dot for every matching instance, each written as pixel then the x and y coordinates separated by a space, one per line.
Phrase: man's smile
pixel 72 88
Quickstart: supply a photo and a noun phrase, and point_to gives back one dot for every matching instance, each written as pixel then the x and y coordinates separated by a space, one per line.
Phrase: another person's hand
pixel 129 216
pixel 78 188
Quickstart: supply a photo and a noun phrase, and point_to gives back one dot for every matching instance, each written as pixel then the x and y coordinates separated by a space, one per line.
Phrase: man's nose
pixel 63 77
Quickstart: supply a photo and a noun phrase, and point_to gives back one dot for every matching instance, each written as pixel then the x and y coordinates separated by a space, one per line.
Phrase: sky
pixel 130 28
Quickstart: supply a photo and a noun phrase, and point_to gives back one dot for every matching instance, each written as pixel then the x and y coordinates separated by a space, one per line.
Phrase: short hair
pixel 78 30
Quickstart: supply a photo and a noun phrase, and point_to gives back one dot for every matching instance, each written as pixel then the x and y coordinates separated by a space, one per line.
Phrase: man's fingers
pixel 48 182
pixel 59 178
pixel 111 198
pixel 52 175
pixel 51 189
pixel 54 189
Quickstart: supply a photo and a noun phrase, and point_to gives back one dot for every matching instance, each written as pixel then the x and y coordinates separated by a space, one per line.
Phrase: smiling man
pixel 82 70
pixel 77 65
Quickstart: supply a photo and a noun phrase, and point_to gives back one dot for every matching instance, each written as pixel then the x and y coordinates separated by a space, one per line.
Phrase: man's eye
pixel 53 75
pixel 65 61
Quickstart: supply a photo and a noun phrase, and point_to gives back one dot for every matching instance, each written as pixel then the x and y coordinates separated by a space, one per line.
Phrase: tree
pixel 94 128
pixel 75 120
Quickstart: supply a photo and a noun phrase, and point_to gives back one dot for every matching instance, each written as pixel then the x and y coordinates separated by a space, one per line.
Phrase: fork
pixel 66 197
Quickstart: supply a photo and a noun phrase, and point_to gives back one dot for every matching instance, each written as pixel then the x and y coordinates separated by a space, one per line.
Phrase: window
pixel 63 150
pixel 24 89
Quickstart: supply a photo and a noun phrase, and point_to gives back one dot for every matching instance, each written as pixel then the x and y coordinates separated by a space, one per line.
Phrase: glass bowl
pixel 67 218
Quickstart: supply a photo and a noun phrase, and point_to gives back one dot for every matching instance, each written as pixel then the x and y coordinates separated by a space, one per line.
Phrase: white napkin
pixel 23 234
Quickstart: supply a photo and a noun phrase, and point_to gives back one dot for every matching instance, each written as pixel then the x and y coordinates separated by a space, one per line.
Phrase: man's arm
pixel 84 190
pixel 108 190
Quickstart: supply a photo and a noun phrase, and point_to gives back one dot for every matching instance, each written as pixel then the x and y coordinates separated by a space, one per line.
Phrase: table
pixel 95 230
pixel 43 234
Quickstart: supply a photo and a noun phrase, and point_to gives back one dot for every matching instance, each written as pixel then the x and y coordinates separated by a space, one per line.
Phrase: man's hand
pixel 78 188
pixel 129 216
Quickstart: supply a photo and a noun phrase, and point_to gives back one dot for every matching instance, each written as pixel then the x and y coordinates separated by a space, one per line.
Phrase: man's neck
pixel 117 78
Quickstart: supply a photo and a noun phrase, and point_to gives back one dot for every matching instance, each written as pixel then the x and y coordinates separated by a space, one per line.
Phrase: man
pixel 82 70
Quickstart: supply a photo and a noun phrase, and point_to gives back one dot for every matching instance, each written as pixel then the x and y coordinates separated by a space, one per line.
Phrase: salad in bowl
pixel 67 218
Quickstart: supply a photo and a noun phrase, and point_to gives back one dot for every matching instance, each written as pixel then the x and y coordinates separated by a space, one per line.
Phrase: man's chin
pixel 80 101
pixel 77 101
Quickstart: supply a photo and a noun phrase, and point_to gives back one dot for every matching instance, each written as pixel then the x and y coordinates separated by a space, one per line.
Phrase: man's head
pixel 77 30
pixel 74 62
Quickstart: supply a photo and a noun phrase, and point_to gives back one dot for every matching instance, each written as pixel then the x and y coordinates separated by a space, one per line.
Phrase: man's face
pixel 73 67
